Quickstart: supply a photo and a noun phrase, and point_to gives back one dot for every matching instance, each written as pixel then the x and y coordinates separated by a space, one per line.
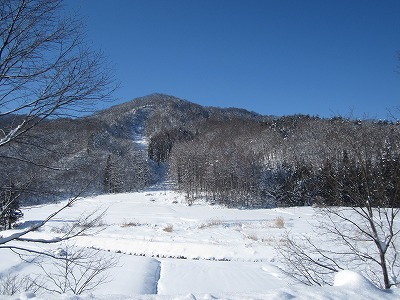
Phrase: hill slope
pixel 77 153
pixel 230 156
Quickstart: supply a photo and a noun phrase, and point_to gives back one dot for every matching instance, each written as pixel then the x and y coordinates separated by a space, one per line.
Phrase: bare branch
pixel 46 68
pixel 75 269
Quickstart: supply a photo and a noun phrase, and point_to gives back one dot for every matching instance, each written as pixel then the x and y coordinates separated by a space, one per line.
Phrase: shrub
pixel 168 228
pixel 279 222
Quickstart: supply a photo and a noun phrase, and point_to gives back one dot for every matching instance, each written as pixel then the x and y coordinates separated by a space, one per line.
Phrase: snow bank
pixel 353 280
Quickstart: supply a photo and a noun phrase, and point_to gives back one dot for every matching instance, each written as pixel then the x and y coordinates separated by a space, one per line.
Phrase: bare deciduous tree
pixel 12 284
pixel 361 233
pixel 46 68
pixel 75 269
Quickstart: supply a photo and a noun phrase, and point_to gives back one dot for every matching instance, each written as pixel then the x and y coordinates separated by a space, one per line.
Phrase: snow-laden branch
pixel 86 224
pixel 11 134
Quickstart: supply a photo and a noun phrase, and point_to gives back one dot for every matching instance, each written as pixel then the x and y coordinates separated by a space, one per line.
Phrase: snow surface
pixel 169 250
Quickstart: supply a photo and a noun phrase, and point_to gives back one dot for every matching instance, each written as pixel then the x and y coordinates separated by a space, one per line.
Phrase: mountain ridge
pixel 172 103
pixel 132 141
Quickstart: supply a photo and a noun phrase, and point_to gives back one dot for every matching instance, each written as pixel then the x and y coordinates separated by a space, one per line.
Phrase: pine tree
pixel 112 182
pixel 10 211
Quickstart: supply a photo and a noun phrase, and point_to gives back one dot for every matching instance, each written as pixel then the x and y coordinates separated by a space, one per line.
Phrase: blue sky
pixel 272 57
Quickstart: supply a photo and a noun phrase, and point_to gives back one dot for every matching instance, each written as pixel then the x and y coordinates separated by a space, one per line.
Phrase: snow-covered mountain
pixel 236 154
pixel 75 151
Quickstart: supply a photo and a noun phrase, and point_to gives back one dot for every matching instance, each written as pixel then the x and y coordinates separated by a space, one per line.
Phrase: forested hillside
pixel 293 160
pixel 230 156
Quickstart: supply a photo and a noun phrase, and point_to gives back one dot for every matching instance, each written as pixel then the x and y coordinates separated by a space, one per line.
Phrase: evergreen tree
pixel 112 182
pixel 10 211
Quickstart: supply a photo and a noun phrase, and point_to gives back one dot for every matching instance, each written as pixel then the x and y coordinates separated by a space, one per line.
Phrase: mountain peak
pixel 173 108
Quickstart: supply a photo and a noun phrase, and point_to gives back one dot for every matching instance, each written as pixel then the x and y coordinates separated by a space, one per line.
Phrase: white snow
pixel 169 250
pixel 350 279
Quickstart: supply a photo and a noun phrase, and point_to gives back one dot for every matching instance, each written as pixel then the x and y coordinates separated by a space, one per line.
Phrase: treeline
pixel 65 157
pixel 229 156
pixel 289 161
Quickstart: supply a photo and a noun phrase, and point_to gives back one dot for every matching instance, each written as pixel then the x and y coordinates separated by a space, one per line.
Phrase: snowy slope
pixel 169 250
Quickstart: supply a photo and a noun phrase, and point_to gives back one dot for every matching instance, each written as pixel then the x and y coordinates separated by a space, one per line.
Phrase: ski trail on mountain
pixel 138 128
pixel 141 142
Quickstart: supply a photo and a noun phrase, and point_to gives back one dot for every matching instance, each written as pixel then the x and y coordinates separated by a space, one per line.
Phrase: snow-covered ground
pixel 169 250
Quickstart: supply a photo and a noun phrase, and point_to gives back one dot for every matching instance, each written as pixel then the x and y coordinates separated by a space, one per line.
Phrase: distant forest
pixel 288 161
pixel 227 156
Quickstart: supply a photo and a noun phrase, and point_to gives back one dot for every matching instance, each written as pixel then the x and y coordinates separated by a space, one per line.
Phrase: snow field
pixel 169 250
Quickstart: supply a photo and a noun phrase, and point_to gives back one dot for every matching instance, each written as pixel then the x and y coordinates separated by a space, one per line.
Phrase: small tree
pixel 74 269
pixel 12 284
pixel 112 181
pixel 10 211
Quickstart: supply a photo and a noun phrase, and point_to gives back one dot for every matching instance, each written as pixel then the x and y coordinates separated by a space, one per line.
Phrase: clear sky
pixel 273 57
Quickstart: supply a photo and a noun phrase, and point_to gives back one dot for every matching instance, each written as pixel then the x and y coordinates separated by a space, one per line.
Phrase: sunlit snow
pixel 170 250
